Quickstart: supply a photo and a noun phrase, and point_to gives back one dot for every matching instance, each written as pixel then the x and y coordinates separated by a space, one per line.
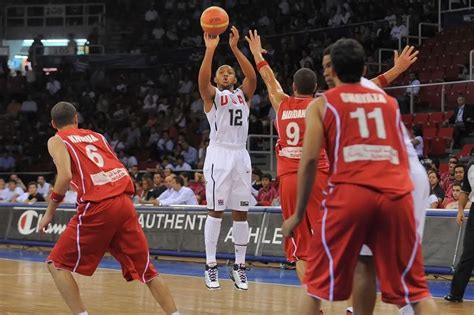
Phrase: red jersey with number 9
pixel 291 127
pixel 364 142
pixel 97 173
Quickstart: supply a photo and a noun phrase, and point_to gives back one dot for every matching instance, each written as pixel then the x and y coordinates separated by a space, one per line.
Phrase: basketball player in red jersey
pixel 291 111
pixel 364 290
pixel 106 219
pixel 369 191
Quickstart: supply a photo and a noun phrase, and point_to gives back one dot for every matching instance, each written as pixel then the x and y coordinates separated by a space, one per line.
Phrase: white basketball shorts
pixel 228 174
pixel 420 198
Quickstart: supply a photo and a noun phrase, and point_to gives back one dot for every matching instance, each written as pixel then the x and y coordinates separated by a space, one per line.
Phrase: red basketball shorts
pixel 296 247
pixel 354 215
pixel 110 225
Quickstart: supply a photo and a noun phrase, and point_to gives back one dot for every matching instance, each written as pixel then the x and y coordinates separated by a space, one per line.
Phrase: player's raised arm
pixel 250 81
pixel 313 141
pixel 400 64
pixel 206 89
pixel 61 158
pixel 275 92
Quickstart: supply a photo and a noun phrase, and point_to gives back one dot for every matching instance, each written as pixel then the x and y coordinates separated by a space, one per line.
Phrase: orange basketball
pixel 214 20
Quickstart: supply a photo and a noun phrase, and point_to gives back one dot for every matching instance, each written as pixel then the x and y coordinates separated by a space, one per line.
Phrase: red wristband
pixel 383 80
pixel 56 197
pixel 261 64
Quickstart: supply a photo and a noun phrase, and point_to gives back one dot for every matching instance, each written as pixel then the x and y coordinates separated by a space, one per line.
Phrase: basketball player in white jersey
pixel 227 167
pixel 364 286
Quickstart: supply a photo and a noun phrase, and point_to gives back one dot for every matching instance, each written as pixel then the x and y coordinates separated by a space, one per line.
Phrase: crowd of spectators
pixel 155 186
pixel 153 118
pixel 446 187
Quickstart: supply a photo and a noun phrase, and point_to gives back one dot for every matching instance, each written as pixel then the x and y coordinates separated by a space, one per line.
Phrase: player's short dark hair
pixel 63 114
pixel 327 50
pixel 268 176
pixel 305 81
pixel 179 180
pixel 348 60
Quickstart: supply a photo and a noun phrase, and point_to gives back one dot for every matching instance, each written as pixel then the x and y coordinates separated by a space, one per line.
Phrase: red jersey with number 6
pixel 364 142
pixel 291 127
pixel 97 173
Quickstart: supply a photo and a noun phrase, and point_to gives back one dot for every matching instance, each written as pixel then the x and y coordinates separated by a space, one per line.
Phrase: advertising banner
pixel 181 229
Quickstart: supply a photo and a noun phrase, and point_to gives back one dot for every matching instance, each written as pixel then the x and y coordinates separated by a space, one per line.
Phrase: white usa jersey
pixel 229 119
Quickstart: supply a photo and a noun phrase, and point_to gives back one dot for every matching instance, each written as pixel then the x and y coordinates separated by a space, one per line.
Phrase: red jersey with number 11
pixel 97 173
pixel 364 142
pixel 291 126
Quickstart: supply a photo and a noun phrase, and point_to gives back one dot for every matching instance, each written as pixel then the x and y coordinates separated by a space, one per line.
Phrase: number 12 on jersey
pixel 361 117
pixel 235 117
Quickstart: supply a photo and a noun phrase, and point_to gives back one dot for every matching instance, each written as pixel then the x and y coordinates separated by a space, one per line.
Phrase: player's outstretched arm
pixel 61 158
pixel 250 81
pixel 400 64
pixel 275 92
pixel 313 141
pixel 206 89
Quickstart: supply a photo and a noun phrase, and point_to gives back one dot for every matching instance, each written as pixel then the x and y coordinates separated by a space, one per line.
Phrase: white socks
pixel 175 313
pixel 82 313
pixel 407 310
pixel 212 229
pixel 240 233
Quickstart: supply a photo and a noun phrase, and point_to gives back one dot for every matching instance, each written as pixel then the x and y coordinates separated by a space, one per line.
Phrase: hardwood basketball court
pixel 26 287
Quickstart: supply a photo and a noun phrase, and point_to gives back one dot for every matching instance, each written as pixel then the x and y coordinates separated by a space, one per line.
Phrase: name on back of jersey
pixel 86 138
pixel 363 98
pixel 293 114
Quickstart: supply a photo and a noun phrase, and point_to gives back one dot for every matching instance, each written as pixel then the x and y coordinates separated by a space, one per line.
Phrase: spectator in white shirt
pixel 169 192
pixel 415 83
pixel 391 18
pixel 185 85
pixel 165 144
pixel 190 154
pixel 3 190
pixel 150 102
pixel 43 186
pixel 12 192
pixel 151 14
pixel 29 106
pixel 181 165
pixel 345 15
pixel 336 18
pixel 399 30
pixel 53 86
pixel 183 196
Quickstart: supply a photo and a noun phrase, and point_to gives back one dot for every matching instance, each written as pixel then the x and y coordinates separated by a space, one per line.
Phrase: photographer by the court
pixel 466 263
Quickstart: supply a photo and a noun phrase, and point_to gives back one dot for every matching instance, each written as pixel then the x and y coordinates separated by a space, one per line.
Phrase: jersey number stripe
pixel 361 117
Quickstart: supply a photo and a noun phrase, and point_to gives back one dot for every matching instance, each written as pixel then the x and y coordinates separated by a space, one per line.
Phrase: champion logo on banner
pixel 28 223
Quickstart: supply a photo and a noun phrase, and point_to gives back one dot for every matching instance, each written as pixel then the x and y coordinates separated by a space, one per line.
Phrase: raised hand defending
pixel 255 43
pixel 407 57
